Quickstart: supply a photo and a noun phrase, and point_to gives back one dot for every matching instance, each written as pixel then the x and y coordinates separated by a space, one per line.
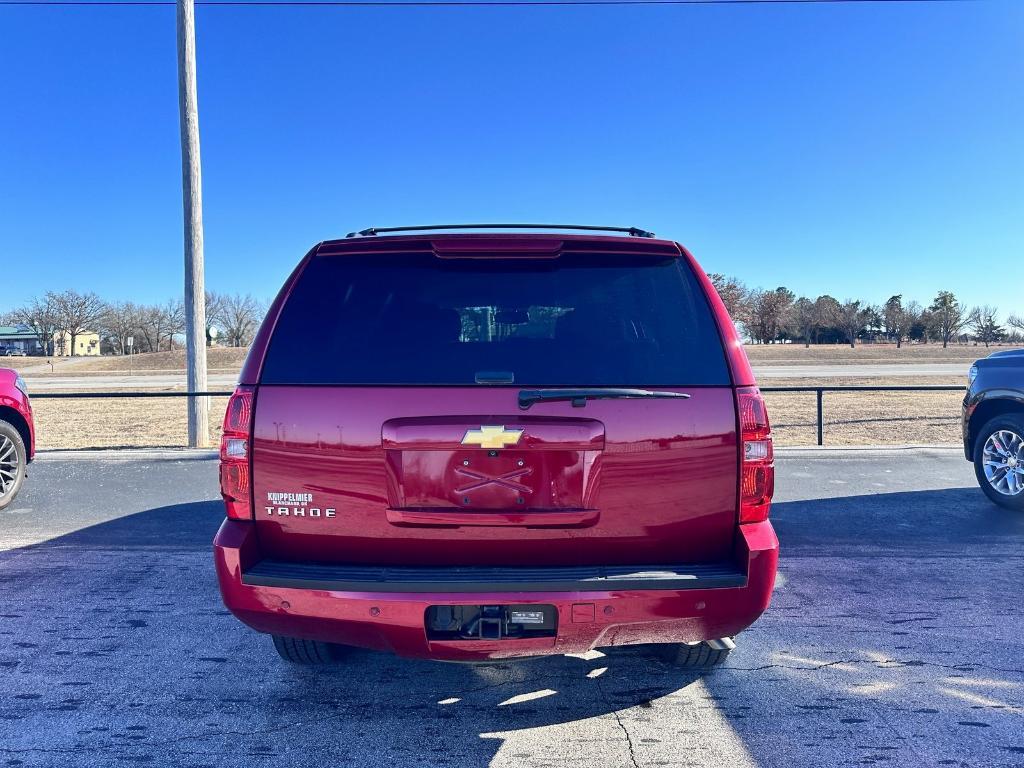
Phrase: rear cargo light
pixel 757 467
pixel 235 475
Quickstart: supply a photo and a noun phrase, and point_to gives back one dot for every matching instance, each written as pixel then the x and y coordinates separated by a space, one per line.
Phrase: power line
pixel 452 3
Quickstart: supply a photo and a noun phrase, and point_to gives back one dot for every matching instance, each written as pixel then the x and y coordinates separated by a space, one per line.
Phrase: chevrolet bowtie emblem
pixel 492 437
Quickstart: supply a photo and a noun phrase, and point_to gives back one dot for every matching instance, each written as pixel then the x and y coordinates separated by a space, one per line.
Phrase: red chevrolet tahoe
pixel 471 446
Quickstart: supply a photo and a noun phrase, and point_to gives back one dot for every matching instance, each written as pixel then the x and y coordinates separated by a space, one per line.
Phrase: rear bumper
pixel 351 606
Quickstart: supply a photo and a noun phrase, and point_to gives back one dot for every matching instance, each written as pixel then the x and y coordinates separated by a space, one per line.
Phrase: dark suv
pixel 480 446
pixel 993 426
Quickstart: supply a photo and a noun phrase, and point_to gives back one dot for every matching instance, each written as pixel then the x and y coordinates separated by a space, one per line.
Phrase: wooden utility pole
pixel 192 197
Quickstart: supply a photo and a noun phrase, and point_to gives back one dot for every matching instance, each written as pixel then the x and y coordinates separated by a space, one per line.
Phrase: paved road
pixel 227 380
pixel 894 638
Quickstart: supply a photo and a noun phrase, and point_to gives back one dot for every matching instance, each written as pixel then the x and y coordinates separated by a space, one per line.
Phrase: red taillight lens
pixel 235 485
pixel 757 465
pixel 239 413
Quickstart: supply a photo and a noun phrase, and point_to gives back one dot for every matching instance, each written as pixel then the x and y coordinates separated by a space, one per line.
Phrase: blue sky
pixel 859 150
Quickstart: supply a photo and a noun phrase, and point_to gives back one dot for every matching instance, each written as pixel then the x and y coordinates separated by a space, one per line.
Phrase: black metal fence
pixel 819 392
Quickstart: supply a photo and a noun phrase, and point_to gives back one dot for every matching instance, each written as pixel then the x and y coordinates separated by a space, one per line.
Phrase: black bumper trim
pixel 364 578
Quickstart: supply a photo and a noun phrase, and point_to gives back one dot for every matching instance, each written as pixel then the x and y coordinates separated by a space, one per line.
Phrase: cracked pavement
pixel 895 637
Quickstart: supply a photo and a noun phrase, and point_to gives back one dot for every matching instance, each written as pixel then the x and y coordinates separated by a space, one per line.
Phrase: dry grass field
pixel 795 354
pixel 226 359
pixel 218 360
pixel 118 423
pixel 866 418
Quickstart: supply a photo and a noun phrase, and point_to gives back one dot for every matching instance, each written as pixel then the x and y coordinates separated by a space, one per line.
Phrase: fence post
pixel 821 426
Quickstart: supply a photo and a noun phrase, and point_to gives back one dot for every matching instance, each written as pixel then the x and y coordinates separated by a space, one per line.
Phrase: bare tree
pixel 897 319
pixel 803 317
pixel 77 313
pixel 160 323
pixel 238 318
pixel 173 322
pixel 733 293
pixel 916 321
pixel 767 313
pixel 948 317
pixel 986 328
pixel 853 318
pixel 147 328
pixel 874 322
pixel 924 328
pixel 827 309
pixel 214 306
pixel 41 315
pixel 117 323
pixel 1016 321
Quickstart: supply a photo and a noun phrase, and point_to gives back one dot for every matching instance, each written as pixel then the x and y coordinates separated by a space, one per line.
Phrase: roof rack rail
pixel 631 231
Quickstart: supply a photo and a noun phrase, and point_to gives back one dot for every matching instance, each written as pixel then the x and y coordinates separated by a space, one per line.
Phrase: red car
pixel 480 446
pixel 17 435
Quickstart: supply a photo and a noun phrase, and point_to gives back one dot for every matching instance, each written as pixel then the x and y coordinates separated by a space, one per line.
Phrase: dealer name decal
pixel 284 504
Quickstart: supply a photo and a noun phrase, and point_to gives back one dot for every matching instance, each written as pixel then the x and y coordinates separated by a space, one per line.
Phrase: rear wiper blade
pixel 579 397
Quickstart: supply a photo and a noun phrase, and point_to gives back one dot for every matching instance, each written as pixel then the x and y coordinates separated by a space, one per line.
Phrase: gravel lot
pixel 894 638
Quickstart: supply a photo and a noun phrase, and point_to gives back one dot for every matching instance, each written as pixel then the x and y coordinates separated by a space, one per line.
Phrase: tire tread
pixel 700 656
pixel 301 651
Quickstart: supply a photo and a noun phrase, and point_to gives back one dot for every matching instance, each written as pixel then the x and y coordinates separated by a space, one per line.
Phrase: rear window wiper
pixel 579 397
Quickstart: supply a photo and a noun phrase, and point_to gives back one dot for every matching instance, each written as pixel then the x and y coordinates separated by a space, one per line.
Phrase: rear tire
pixel 13 459
pixel 300 651
pixel 699 656
pixel 1001 440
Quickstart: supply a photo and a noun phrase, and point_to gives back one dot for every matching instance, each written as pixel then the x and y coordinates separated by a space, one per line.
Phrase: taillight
pixel 235 474
pixel 757 465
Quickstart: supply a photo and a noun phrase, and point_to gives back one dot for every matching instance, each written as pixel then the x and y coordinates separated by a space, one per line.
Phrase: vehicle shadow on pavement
pixel 896 523
pixel 115 647
pixel 893 636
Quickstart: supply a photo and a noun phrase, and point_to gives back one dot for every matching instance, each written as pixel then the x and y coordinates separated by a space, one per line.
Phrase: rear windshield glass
pixel 416 319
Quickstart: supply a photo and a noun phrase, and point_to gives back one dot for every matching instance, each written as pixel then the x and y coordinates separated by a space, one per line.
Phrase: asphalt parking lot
pixel 896 637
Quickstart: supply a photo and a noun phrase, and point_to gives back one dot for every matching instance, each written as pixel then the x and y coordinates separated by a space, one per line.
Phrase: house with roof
pixel 22 338
pixel 87 343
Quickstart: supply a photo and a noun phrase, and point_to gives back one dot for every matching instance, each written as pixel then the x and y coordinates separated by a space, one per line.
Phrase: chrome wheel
pixel 10 468
pixel 1003 461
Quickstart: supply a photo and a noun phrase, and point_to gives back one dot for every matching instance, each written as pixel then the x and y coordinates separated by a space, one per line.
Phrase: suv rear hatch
pixel 397 420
